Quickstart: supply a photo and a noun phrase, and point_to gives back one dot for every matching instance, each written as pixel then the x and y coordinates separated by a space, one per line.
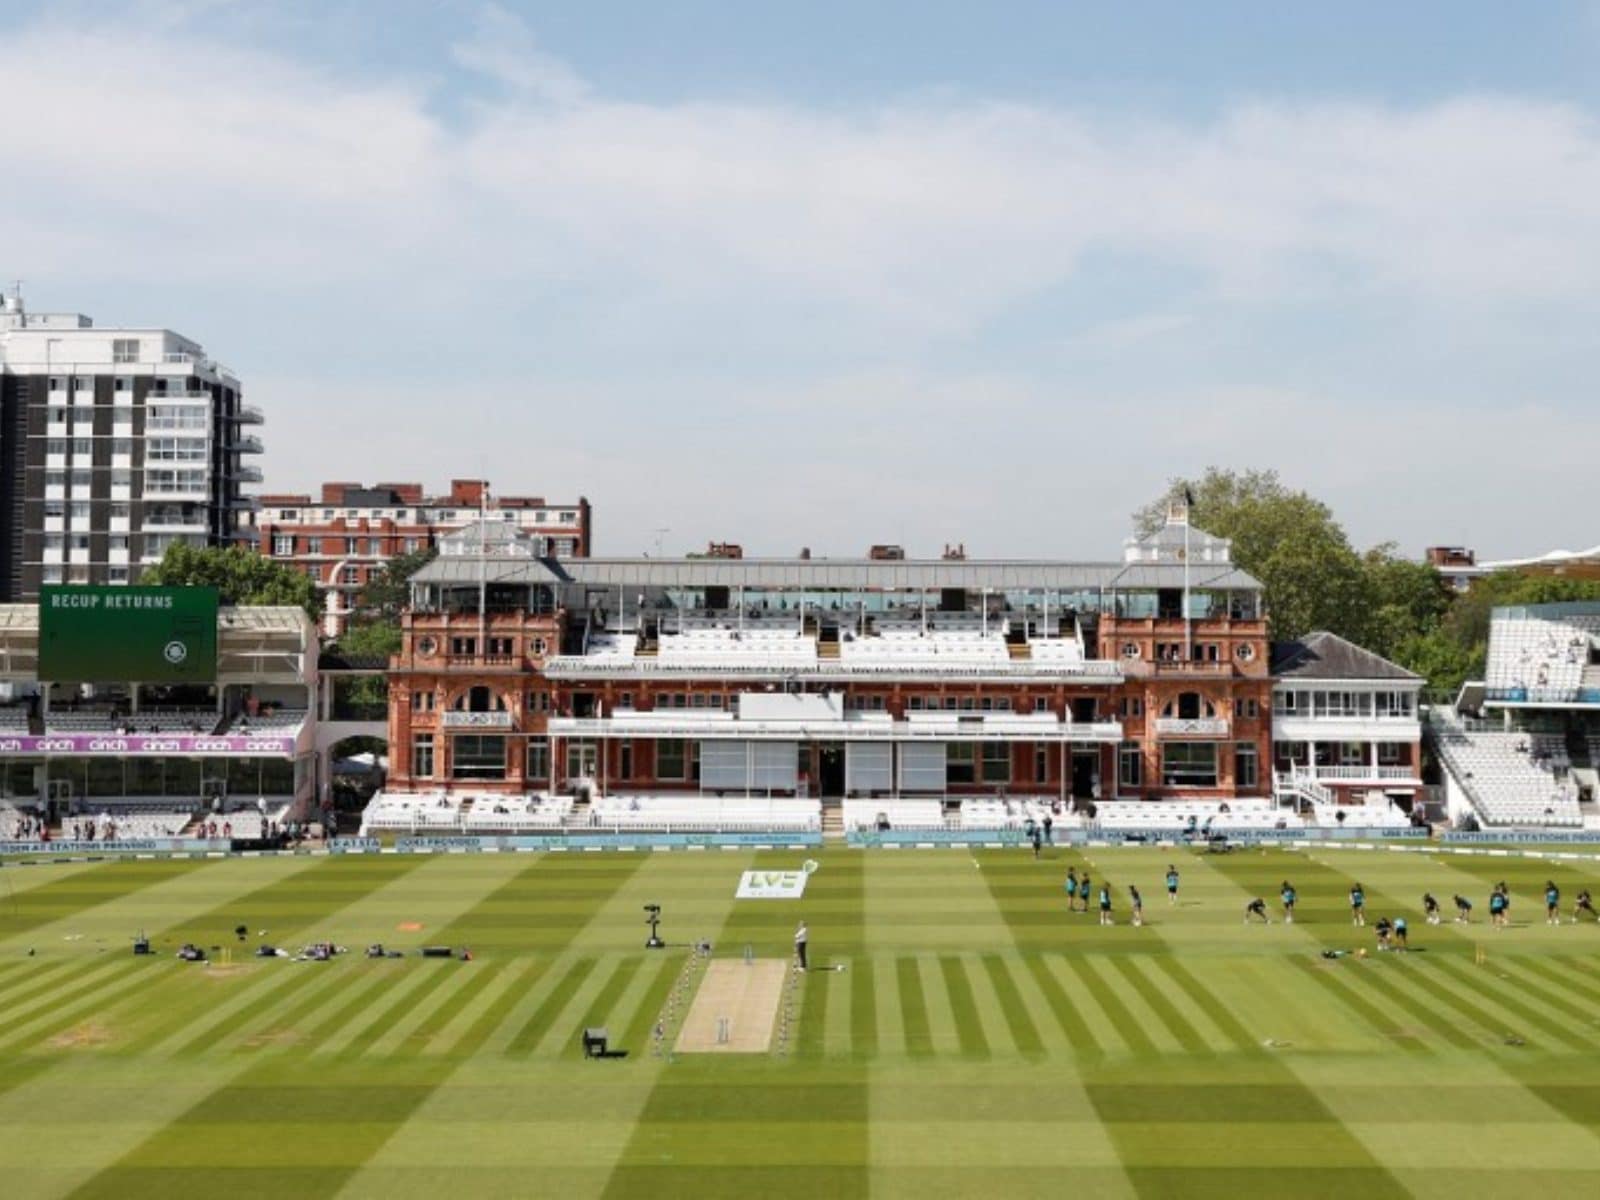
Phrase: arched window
pixel 480 699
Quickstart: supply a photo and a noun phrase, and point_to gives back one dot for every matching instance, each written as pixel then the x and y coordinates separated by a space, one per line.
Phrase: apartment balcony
pixel 249 414
pixel 1208 727
pixel 247 474
pixel 190 524
pixel 245 443
pixel 166 492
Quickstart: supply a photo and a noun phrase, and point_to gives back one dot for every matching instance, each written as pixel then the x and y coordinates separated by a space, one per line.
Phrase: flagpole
pixel 1188 626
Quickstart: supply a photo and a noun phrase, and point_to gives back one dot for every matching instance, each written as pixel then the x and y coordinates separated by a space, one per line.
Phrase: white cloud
pixel 819 258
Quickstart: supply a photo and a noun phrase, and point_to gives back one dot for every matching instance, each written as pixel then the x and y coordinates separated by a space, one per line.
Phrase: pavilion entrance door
pixel 830 770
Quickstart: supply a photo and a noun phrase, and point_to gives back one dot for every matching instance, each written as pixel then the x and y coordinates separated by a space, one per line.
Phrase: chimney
pixel 468 492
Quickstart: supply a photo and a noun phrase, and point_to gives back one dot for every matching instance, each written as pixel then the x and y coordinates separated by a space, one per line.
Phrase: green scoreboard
pixel 141 634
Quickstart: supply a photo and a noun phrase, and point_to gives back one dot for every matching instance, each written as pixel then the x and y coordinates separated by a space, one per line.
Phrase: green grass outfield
pixel 981 1042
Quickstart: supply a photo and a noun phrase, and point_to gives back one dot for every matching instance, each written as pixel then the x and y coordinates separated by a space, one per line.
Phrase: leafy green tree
pixel 1286 539
pixel 240 575
pixel 1406 601
pixel 388 593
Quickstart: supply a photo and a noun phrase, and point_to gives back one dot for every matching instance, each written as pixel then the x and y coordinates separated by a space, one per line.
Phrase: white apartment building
pixel 114 444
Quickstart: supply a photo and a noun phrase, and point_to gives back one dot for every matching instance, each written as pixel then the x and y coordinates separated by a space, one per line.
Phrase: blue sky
pixel 833 274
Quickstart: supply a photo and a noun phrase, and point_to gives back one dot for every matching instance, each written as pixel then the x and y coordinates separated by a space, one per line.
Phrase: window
pixel 283 545
pixel 412 545
pixel 117 574
pixel 1245 707
pixel 670 758
pixel 82 447
pixel 1246 770
pixel 960 763
pixel 1189 764
pixel 1130 765
pixel 1041 764
pixel 422 756
pixel 1132 706
pixel 625 761
pixel 55 446
pixel 80 511
pixel 1041 704
pixel 120 510
pixel 122 445
pixel 55 508
pixel 538 701
pixel 55 479
pixel 479 756
pixel 996 762
pixel 422 701
pixel 123 384
pixel 81 479
pixel 125 350
pixel 350 574
pixel 1391 754
pixel 538 760
pixel 314 545
pixel 463 645
pixel 117 542
pixel 1287 703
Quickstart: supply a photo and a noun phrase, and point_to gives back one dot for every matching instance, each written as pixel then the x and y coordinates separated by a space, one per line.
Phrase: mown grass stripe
pixel 1420 1009
pixel 352 1003
pixel 63 1016
pixel 446 1007
pixel 811 1039
pixel 1206 1002
pixel 527 1038
pixel 1024 1035
pixel 75 894
pixel 57 976
pixel 1491 1025
pixel 913 1009
pixel 383 1018
pixel 598 1010
pixel 964 1008
pixel 1560 973
pixel 280 1023
pixel 1061 1005
pixel 1496 992
pixel 1187 1035
pixel 1370 1013
pixel 641 1028
pixel 1127 1026
pixel 484 1028
pixel 193 1032
pixel 66 992
pixel 863 1010
pixel 1533 981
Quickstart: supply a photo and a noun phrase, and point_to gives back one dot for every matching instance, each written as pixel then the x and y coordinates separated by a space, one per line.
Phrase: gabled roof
pixel 1327 656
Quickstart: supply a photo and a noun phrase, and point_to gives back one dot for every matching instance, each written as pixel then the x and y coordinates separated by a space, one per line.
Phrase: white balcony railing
pixel 1192 726
pixel 452 719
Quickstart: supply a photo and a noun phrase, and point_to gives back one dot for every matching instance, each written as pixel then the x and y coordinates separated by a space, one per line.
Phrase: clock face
pixel 1130 650
pixel 426 645
pixel 1245 652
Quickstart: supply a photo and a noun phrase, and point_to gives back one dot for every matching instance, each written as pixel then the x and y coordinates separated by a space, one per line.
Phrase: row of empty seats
pixel 1543 657
pixel 495 812
pixel 1220 816
pixel 1512 778
pixel 894 812
pixel 715 647
pixel 693 813
pixel 14 719
pixel 272 720
pixel 1013 812
pixel 409 812
pixel 106 720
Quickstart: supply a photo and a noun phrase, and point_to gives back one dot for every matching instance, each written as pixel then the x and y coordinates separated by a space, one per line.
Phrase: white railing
pixel 451 719
pixel 577 667
pixel 1360 772
pixel 727 729
pixel 1193 726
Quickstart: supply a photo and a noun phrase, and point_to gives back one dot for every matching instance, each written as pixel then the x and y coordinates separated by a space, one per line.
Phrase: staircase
pixel 833 821
pixel 1019 650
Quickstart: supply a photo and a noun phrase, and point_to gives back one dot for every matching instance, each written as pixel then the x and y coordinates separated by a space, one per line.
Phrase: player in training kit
pixel 1358 905
pixel 1400 934
pixel 1463 910
pixel 1257 908
pixel 1138 904
pixel 1072 889
pixel 1430 908
pixel 1105 905
pixel 1172 884
pixel 1583 904
pixel 1383 929
pixel 1085 890
pixel 1552 903
pixel 1286 894
pixel 1497 909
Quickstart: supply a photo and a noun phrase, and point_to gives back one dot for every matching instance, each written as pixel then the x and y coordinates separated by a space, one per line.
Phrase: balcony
pixel 200 494
pixel 1192 726
pixel 245 443
pixel 452 719
pixel 247 474
pixel 249 414
pixel 499 664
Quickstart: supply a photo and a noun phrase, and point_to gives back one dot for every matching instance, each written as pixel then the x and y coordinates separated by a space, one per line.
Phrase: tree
pixel 240 575
pixel 1287 540
pixel 388 593
pixel 1406 601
